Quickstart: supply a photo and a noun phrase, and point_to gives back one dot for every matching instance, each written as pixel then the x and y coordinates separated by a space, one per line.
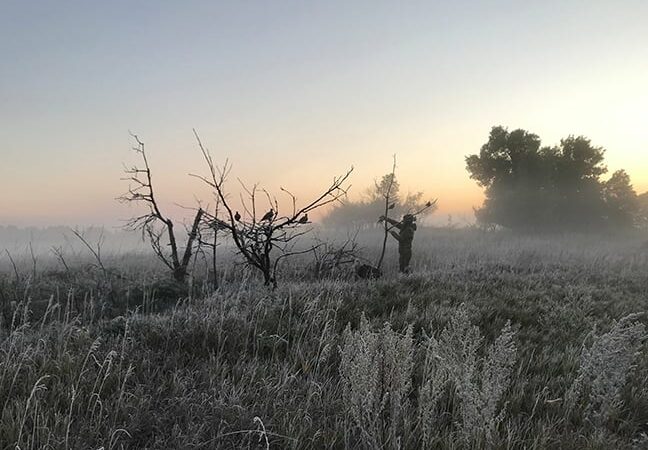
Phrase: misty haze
pixel 324 225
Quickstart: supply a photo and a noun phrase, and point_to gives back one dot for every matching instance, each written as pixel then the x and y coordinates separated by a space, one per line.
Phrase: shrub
pixel 376 371
pixel 479 383
pixel 604 368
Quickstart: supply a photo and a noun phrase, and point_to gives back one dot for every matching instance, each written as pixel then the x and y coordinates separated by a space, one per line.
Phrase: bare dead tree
pixel 258 238
pixel 154 225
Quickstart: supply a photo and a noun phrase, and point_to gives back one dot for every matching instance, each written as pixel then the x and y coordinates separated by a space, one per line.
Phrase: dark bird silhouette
pixel 428 204
pixel 237 216
pixel 269 215
pixel 304 219
pixel 391 206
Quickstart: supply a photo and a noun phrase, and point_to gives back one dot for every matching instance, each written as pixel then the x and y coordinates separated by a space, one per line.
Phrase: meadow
pixel 494 340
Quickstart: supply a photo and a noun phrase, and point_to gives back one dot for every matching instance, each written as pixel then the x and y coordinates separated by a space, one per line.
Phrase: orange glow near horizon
pixel 87 194
pixel 295 96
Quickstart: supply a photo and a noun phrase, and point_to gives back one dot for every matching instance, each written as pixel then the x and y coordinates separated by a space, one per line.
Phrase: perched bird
pixel 428 204
pixel 304 219
pixel 269 215
pixel 237 216
pixel 391 206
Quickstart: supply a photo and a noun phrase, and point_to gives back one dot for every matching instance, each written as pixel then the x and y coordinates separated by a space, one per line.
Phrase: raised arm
pixel 393 222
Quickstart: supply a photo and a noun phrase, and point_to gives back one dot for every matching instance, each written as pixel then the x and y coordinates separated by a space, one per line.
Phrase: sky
pixel 294 93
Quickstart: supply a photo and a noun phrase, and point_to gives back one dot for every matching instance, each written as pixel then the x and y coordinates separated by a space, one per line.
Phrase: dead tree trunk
pixel 155 226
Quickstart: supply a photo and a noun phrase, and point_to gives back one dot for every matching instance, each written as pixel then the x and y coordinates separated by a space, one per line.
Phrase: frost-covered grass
pixel 494 341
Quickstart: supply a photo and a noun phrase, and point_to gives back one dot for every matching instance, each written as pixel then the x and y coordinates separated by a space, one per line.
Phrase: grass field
pixel 494 341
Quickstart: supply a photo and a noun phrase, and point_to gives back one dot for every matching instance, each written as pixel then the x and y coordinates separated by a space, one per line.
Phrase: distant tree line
pixel 561 188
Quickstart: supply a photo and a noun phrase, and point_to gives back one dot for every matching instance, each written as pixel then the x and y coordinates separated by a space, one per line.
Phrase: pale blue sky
pixel 294 92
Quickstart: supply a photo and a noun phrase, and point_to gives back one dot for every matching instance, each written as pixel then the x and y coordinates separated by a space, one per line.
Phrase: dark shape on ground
pixel 367 272
pixel 304 219
pixel 391 206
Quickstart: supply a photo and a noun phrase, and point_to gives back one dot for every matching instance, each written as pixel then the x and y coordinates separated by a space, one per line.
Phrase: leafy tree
pixel 388 184
pixel 534 188
pixel 621 199
pixel 514 172
pixel 577 198
pixel 642 213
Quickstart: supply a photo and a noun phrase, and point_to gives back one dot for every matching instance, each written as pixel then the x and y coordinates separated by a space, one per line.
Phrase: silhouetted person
pixel 405 236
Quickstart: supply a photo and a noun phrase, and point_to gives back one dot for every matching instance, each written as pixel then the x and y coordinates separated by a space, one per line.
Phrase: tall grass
pixel 481 347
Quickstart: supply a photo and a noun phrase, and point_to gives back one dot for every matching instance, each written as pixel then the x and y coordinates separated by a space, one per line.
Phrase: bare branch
pixel 13 264
pixel 96 252
pixel 58 253
pixel 259 239
pixel 151 222
pixel 387 196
